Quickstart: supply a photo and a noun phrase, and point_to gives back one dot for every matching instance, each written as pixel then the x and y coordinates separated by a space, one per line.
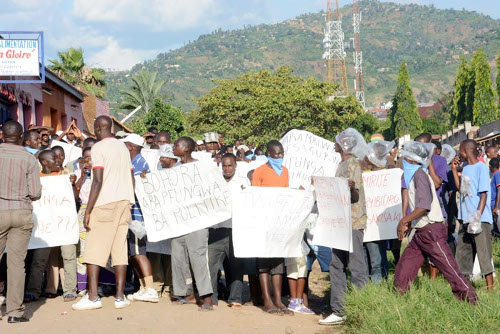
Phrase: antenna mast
pixel 334 45
pixel 358 55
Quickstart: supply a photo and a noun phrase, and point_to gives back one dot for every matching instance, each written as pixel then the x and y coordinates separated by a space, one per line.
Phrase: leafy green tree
pixel 71 67
pixel 434 126
pixel 163 116
pixel 366 124
pixel 484 109
pixel 404 116
pixel 260 106
pixel 143 92
pixel 460 110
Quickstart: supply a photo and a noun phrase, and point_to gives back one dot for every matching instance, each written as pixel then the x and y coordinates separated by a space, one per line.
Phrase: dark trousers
pixel 220 247
pixel 430 241
pixel 341 260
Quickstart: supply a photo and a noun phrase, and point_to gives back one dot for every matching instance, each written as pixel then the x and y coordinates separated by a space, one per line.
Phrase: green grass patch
pixel 428 307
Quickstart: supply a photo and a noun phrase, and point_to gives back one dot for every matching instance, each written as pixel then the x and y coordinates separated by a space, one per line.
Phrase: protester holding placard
pixel 272 174
pixel 137 239
pixel 376 160
pixel 16 218
pixel 351 146
pixel 41 256
pixel 108 213
pixel 191 250
pixel 426 218
pixel 161 263
pixel 220 243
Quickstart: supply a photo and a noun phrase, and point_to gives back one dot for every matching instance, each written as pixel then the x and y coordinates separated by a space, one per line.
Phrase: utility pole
pixel 358 55
pixel 334 45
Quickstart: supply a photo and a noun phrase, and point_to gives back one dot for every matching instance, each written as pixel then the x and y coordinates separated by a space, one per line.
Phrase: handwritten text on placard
pixel 308 155
pixel 183 199
pixel 54 214
pixel 383 203
pixel 333 228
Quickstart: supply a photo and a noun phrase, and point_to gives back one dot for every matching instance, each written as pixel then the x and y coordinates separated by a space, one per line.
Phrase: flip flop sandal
pixel 235 306
pixel 274 311
pixel 205 308
pixel 181 301
pixel 50 295
pixel 287 311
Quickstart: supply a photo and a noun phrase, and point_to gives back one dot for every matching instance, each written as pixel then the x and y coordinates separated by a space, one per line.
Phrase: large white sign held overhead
pixel 19 57
pixel 308 155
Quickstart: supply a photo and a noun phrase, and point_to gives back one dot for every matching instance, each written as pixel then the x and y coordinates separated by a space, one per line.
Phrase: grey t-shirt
pixel 423 190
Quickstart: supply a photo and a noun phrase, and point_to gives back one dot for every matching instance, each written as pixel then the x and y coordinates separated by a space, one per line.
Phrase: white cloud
pixel 115 57
pixel 160 15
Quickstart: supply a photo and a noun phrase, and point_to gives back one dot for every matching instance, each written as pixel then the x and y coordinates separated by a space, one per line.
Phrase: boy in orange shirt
pixel 272 174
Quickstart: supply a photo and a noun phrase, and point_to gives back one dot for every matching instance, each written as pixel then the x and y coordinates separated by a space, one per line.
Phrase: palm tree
pixel 71 67
pixel 143 91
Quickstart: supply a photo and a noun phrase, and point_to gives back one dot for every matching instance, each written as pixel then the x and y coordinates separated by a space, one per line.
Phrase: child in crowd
pixel 474 213
pixel 50 167
pixel 296 269
pixel 272 174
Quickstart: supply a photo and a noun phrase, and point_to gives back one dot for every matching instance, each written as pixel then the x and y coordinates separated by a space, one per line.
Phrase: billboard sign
pixel 19 57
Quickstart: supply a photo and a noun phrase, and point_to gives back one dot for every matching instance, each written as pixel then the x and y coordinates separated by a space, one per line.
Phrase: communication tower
pixel 334 45
pixel 358 55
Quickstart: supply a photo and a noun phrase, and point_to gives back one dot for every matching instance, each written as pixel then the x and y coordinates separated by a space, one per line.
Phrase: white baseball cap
pixel 134 138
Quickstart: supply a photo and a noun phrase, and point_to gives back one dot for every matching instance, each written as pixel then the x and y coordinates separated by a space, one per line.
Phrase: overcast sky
pixel 118 34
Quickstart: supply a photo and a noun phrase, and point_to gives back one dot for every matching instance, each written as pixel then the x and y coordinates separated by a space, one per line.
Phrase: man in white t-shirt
pixel 220 242
pixel 108 213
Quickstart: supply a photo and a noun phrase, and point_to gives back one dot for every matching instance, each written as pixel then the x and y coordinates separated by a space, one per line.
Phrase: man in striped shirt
pixel 136 239
pixel 20 186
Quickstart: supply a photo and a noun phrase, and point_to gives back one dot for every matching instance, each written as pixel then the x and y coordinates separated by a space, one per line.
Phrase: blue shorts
pixel 323 255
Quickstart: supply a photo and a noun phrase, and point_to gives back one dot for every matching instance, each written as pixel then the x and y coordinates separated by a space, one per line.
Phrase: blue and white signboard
pixel 19 57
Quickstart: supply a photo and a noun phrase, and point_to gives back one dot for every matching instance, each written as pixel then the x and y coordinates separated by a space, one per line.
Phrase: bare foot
pixel 284 309
pixel 272 309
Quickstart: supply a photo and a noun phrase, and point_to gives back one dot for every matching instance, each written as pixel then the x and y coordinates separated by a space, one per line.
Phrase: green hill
pixel 429 39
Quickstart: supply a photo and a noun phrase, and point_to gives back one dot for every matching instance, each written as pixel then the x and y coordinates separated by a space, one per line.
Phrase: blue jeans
pixel 376 260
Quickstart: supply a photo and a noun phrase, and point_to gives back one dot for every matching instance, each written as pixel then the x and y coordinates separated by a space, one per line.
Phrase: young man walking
pixel 108 213
pixel 426 218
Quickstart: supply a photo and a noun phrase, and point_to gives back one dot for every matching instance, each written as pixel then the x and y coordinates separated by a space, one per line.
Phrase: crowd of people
pixel 450 206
